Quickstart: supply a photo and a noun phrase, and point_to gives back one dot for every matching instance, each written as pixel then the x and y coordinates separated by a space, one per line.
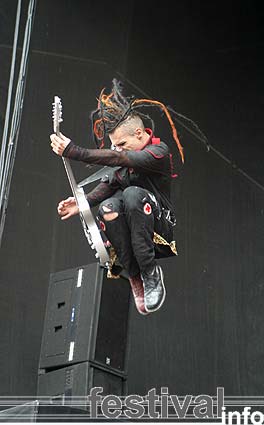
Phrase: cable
pixel 16 118
pixel 10 89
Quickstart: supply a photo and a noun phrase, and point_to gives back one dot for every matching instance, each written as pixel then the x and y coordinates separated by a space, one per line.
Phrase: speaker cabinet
pixel 71 385
pixel 86 319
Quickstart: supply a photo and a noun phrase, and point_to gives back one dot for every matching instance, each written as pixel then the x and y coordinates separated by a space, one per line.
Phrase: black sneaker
pixel 154 289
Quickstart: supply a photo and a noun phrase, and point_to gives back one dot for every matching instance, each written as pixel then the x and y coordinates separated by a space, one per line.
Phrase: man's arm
pixel 101 192
pixel 68 207
pixel 153 158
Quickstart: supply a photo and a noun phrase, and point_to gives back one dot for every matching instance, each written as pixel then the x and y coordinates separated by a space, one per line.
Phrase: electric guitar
pixel 89 225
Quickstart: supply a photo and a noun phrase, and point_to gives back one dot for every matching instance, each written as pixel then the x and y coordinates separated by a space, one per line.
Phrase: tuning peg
pixel 96 255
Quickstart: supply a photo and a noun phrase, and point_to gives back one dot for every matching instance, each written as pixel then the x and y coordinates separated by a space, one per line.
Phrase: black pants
pixel 131 232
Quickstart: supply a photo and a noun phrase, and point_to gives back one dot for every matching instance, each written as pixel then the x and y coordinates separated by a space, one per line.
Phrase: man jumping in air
pixel 135 212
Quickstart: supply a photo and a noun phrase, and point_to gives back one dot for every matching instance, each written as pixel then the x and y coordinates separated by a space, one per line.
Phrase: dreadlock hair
pixel 114 108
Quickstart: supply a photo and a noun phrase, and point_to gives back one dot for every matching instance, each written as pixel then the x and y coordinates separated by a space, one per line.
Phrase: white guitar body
pixel 90 227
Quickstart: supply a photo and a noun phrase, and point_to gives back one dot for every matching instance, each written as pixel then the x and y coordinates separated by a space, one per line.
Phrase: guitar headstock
pixel 57 114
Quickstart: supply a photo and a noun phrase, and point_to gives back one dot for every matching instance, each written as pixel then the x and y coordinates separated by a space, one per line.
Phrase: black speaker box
pixel 86 319
pixel 70 385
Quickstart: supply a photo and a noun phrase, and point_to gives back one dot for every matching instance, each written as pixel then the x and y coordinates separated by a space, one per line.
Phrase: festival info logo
pixel 159 406
pixel 166 407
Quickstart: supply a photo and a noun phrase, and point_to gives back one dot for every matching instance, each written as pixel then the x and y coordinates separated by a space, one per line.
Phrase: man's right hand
pixel 67 208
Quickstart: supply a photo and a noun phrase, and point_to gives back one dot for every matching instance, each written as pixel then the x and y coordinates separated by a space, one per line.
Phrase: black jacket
pixel 149 168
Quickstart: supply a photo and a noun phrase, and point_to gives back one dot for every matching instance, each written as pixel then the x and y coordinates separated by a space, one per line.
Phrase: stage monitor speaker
pixel 71 385
pixel 86 319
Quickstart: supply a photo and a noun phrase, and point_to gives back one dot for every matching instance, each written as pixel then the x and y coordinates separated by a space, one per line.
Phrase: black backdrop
pixel 206 62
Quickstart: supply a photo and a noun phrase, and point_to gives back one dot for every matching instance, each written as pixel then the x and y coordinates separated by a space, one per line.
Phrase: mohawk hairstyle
pixel 114 108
